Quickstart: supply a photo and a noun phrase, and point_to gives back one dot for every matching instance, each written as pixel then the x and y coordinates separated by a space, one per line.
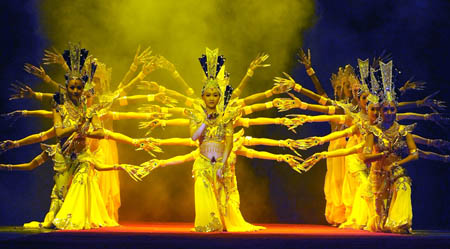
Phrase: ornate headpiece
pixel 374 88
pixel 75 58
pixel 363 66
pixel 388 85
pixel 213 66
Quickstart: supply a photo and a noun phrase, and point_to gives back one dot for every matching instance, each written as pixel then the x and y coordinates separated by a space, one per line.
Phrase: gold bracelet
pixel 38 96
pixel 47 79
pixel 268 105
pixel 150 97
pixel 268 93
pixel 115 115
pixel 245 122
pixel 310 71
pixel 161 89
pixel 24 113
pixel 331 110
pixel 322 100
pixel 133 67
pixel 141 75
pixel 44 136
pixel 247 110
pixel 250 73
pixel 303 105
pixel 188 102
pixel 40 160
pixel 298 87
pixel 123 101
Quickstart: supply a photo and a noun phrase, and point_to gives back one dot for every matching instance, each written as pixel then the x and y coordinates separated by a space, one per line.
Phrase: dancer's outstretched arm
pixel 256 63
pixel 36 162
pixel 428 155
pixel 305 59
pixel 31 139
pixel 139 59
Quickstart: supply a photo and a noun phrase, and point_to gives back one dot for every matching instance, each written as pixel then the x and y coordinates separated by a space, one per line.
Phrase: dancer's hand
pixel 433 104
pixel 36 71
pixel 148 86
pixel 142 58
pixel 137 173
pixel 283 85
pixel 152 165
pixel 148 145
pixel 53 57
pixel 21 91
pixel 257 62
pixel 163 63
pixel 167 100
pixel 150 108
pixel 412 85
pixel 309 142
pixel 293 161
pixel 150 66
pixel 312 160
pixel 7 145
pixel 305 59
pixel 220 172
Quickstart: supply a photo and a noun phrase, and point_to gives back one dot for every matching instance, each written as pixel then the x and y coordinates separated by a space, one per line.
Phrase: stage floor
pixel 179 235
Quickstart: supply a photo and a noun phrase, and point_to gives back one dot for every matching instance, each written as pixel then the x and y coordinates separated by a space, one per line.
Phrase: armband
pixel 298 87
pixel 164 110
pixel 190 91
pixel 115 115
pixel 249 154
pixel 150 97
pixel 24 113
pixel 133 67
pixel 188 102
pixel 331 110
pixel 161 89
pixel 245 122
pixel 40 160
pixel 310 71
pixel 280 158
pixel 268 105
pixel 413 152
pixel 237 92
pixel 16 144
pixel 248 139
pixel 322 100
pixel 268 93
pixel 43 136
pixel 47 79
pixel 38 96
pixel 163 123
pixel 141 75
pixel 303 105
pixel 250 73
pixel 247 110
pixel 123 101
pixel 418 103
pixel 122 93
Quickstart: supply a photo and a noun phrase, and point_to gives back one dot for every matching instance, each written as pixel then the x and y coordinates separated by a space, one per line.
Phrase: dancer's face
pixel 75 88
pixel 363 100
pixel 347 89
pixel 373 110
pixel 388 112
pixel 211 97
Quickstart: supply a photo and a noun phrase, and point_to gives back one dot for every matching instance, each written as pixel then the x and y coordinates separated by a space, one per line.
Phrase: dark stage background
pixel 416 33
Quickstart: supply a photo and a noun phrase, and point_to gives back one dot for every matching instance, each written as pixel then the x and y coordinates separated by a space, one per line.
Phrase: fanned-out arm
pixel 287 104
pixel 413 153
pixel 31 139
pixel 246 122
pixel 159 97
pixel 437 143
pixel 36 162
pixel 23 91
pixel 132 115
pixel 40 73
pixel 256 63
pixel 174 141
pixel 288 80
pixel 428 155
pixel 293 161
pixel 139 59
pixel 305 59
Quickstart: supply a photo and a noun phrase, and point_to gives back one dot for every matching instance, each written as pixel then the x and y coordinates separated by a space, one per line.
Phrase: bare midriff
pixel 212 149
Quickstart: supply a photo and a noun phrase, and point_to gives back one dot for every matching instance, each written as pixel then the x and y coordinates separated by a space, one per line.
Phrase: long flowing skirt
pixel 400 215
pixel 83 207
pixel 217 202
pixel 335 209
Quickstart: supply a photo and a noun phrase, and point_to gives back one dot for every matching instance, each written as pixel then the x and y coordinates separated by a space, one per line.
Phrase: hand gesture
pixel 293 162
pixel 312 160
pixel 152 165
pixel 257 62
pixel 150 66
pixel 36 71
pixel 13 116
pixel 137 173
pixel 21 91
pixel 163 98
pixel 150 108
pixel 149 86
pixel 53 57
pixel 412 85
pixel 7 145
pixel 307 143
pixel 142 58
pixel 163 63
pixel 304 59
pixel 150 125
pixel 433 104
pixel 283 85
pixel 148 145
